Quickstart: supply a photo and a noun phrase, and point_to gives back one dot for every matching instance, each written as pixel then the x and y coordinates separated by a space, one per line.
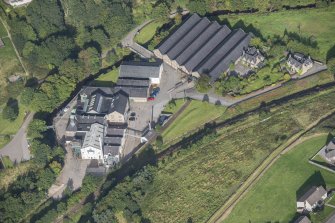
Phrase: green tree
pixel 331 65
pixel 198 6
pixel 36 128
pixel 9 113
pixel 27 96
pixel 203 83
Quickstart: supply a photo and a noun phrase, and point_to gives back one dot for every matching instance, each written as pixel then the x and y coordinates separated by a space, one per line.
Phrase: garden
pixel 274 197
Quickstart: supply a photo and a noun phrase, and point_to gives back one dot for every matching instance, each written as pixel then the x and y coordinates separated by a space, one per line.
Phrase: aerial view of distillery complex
pixel 167 111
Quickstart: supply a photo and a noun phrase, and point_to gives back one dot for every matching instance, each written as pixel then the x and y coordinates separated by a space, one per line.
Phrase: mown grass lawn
pixel 301 22
pixel 147 32
pixel 273 198
pixel 194 116
pixel 107 80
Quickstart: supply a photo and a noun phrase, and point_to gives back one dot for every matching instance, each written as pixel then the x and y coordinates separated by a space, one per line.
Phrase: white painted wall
pixel 91 153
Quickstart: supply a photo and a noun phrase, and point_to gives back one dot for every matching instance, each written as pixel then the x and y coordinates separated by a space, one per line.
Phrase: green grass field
pixel 195 115
pixel 273 198
pixel 147 32
pixel 301 22
pixel 107 80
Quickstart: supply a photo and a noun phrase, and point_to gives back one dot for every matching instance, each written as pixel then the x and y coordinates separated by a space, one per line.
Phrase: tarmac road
pixel 17 149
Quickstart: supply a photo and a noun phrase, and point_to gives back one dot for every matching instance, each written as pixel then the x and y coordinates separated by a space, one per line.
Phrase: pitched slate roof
pixel 204 37
pixel 113 131
pixel 112 150
pixel 119 102
pixel 94 137
pixel 137 69
pixel 313 195
pixel 125 82
pixel 113 140
pixel 298 59
pixel 165 46
pixel 187 39
pixel 205 47
pixel 302 219
pixel 135 92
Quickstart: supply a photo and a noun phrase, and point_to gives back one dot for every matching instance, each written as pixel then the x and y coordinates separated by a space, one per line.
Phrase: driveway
pixel 129 42
pixel 17 149
pixel 71 176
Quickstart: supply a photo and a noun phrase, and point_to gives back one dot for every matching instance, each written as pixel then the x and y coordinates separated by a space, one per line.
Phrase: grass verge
pixel 195 115
pixel 148 32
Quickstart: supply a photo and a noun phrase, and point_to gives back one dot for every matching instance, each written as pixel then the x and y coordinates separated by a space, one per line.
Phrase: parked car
pixel 133 114
pixel 156 90
pixel 132 118
pixel 66 109
pixel 151 98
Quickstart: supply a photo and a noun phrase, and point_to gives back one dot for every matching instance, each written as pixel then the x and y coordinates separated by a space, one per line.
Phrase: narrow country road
pixel 17 149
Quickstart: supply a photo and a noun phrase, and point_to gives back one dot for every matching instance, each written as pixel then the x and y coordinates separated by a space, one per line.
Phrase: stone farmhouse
pixel 97 126
pixel 312 199
pixel 136 78
pixel 252 57
pixel 200 46
pixel 299 63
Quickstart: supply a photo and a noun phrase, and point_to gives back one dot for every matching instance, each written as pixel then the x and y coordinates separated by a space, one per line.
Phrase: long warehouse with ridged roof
pixel 200 46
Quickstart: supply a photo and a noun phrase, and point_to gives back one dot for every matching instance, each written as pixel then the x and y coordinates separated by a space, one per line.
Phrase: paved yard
pixel 150 111
pixel 72 175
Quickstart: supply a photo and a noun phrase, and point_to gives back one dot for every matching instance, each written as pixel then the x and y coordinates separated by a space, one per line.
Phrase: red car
pixel 151 98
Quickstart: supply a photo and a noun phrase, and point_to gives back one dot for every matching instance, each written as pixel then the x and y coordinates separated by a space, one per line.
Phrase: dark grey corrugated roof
pixel 112 131
pixel 112 150
pixel 198 43
pixel 119 102
pixel 136 69
pixel 123 82
pixel 206 49
pixel 221 51
pixel 112 141
pixel 179 33
pixel 135 92
pixel 184 42
pixel 230 57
